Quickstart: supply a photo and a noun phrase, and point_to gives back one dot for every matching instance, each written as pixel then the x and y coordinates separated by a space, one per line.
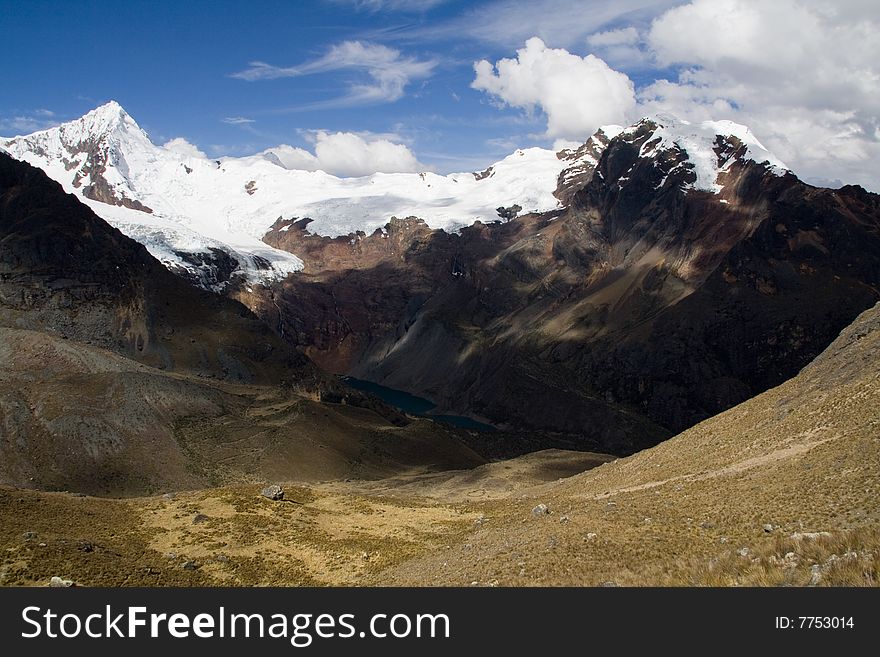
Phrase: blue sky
pixel 234 78
pixel 170 65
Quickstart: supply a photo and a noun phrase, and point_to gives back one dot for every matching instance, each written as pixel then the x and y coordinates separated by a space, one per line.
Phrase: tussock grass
pixel 841 558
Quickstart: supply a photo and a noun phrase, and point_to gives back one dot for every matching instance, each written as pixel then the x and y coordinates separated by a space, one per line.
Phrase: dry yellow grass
pixel 781 490
pixel 803 457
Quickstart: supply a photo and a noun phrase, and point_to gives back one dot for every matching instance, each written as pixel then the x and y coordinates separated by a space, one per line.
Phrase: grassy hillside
pixel 781 489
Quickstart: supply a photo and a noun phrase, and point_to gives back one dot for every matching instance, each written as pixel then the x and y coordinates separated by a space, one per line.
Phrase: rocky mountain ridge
pixel 661 296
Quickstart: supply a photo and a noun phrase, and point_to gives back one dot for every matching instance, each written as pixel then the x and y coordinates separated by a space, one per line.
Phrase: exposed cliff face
pixel 581 163
pixel 673 287
pixel 773 301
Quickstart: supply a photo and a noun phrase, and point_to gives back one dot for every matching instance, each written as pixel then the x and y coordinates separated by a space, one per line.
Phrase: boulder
pixel 59 583
pixel 273 492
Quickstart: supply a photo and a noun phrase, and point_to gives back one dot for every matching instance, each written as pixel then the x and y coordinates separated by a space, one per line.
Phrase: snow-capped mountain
pixel 192 213
pixel 109 162
pixel 701 152
pixel 207 217
pixel 707 149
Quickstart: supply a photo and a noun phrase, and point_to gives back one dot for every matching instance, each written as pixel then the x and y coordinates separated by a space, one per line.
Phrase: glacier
pixel 189 210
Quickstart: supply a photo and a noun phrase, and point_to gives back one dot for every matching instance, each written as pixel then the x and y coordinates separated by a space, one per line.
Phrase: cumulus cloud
pixel 387 70
pixel 181 146
pixel 804 75
pixel 577 94
pixel 349 154
pixel 292 157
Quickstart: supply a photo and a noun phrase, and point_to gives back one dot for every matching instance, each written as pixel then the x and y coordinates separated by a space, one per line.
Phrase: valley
pixel 662 372
pixel 780 490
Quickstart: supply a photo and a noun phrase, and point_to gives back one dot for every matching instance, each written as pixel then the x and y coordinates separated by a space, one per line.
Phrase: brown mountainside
pixel 635 313
pixel 118 377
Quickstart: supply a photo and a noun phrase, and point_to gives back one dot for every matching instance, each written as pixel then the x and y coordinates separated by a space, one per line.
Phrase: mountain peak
pixel 110 110
pixel 108 118
pixel 92 152
pixel 707 148
pixel 108 125
pixel 581 162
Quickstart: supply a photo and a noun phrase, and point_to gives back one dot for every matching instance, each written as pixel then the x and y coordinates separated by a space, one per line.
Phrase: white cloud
pixel 183 147
pixel 237 120
pixel 577 94
pixel 293 157
pixel 349 154
pixel 626 36
pixel 805 75
pixel 409 6
pixel 621 48
pixel 559 23
pixel 563 144
pixel 26 123
pixel 388 72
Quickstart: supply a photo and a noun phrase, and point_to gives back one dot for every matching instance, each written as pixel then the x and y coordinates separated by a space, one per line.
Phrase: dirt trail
pixel 734 468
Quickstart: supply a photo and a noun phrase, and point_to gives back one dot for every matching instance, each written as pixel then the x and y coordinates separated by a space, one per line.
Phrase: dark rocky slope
pixel 65 271
pixel 118 377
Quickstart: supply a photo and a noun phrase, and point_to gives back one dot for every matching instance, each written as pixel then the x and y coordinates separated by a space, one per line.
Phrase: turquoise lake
pixel 414 405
